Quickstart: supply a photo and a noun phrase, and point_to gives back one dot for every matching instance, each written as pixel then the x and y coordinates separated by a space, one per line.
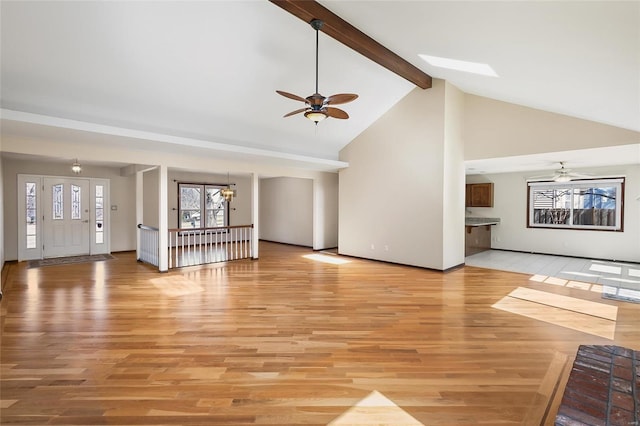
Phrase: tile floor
pixel 621 278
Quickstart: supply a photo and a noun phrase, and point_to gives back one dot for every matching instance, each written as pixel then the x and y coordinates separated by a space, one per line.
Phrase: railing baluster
pixel 198 246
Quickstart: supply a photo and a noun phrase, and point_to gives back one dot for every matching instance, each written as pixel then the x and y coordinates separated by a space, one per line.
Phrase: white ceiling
pixel 208 70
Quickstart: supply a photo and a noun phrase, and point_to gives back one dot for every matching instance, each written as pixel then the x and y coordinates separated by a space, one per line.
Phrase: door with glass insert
pixel 66 217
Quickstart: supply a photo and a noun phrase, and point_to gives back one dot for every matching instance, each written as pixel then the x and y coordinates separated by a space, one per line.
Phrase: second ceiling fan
pixel 317 106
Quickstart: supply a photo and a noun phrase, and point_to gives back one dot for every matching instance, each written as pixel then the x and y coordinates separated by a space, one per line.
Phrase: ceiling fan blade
pixel 298 111
pixel 336 113
pixel 291 96
pixel 340 98
pixel 552 176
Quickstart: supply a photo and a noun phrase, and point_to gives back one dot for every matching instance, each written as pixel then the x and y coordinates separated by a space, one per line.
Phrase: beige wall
pixel 392 204
pixel 123 226
pixel 2 225
pixel 510 205
pixel 286 210
pixel 500 129
pixel 240 213
pixel 453 195
pixel 325 211
pixel 151 198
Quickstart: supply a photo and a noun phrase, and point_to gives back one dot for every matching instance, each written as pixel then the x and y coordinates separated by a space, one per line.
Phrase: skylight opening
pixel 458 65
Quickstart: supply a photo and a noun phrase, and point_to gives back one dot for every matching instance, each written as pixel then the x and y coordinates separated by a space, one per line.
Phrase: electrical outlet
pixel 373 247
pixel 386 248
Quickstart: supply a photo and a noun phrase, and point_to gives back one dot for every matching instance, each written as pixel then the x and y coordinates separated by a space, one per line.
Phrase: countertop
pixel 481 221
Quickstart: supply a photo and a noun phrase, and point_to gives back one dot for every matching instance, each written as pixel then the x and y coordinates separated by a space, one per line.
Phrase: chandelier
pixel 228 193
pixel 76 167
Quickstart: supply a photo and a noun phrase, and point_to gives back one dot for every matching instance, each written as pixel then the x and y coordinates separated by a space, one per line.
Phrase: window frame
pixel 617 182
pixel 203 205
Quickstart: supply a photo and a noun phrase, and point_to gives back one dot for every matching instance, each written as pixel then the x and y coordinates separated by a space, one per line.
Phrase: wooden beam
pixel 350 36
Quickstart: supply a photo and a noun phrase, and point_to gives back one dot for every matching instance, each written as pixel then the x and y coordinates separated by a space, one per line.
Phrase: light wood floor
pixel 291 340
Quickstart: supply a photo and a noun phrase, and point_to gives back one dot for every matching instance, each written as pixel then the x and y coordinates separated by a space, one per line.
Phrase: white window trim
pixel 203 209
pixel 585 183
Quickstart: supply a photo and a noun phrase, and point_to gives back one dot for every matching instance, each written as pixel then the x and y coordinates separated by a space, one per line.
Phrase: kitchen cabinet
pixel 477 239
pixel 479 195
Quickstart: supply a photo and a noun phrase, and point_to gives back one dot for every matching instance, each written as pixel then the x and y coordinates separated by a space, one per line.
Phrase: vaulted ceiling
pixel 209 70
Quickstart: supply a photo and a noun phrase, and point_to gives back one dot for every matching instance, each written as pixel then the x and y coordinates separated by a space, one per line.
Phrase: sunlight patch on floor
pixel 568 303
pixel 375 409
pixel 625 293
pixel 326 259
pixel 596 288
pixel 175 286
pixel 606 268
pixel 568 312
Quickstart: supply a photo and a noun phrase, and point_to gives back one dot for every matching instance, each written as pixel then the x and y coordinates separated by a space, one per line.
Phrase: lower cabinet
pixel 477 239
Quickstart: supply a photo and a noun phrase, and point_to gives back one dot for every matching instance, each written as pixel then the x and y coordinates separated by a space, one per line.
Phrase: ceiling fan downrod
pixel 316 24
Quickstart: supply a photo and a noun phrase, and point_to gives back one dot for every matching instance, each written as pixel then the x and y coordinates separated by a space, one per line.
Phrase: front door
pixel 66 217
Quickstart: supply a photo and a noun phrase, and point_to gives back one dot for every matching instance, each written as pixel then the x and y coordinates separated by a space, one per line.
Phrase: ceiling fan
pixel 562 175
pixel 317 106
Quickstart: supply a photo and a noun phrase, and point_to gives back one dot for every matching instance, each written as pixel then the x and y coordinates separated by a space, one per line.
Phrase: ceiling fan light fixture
pixel 315 116
pixel 319 107
pixel 563 178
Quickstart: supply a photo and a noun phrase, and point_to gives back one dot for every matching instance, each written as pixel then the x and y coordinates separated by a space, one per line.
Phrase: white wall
pixel 510 205
pixel 286 210
pixel 325 211
pixel 392 204
pixel 123 226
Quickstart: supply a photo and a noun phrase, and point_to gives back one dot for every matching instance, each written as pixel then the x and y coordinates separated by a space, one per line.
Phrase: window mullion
pixel 203 206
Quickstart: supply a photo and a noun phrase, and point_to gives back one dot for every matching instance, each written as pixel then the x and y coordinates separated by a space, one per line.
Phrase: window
pixel 198 201
pixel 31 210
pixel 583 204
pixel 58 202
pixel 75 202
pixel 99 214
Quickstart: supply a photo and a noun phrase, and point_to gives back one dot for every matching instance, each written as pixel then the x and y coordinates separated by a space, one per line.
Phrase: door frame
pixel 36 252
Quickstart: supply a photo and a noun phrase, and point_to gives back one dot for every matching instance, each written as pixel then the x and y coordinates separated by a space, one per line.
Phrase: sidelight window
pixel 99 214
pixel 31 213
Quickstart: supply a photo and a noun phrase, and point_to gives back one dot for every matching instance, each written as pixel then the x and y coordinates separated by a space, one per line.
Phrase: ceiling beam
pixel 350 36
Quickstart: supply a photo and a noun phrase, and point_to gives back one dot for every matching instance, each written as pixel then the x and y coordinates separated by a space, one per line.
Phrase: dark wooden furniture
pixel 477 239
pixel 479 195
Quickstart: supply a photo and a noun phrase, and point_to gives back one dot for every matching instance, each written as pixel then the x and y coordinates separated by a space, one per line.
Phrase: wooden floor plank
pixel 581 306
pixel 284 340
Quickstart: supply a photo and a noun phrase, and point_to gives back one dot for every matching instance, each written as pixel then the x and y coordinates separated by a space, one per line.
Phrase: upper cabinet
pixel 479 195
